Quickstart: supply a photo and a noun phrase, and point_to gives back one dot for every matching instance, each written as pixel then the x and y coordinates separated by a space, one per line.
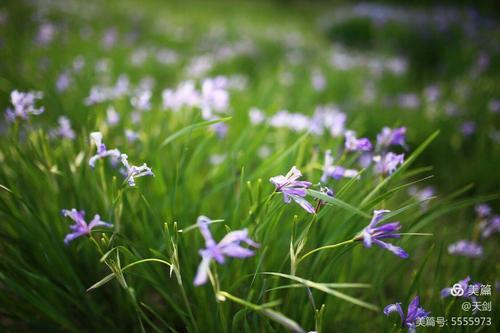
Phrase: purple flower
pixel 142 100
pixel 483 210
pixel 256 116
pixel 80 227
pixel 297 122
pixel 63 82
pixel 386 164
pixel 354 144
pixel 112 117
pixel 64 130
pixel 229 246
pixel 390 136
pixel 466 290
pixel 102 152
pixel 318 80
pixel 490 226
pixel 334 171
pixel 468 128
pixel 494 106
pixel 466 248
pixel 131 135
pixel 220 130
pixel 414 313
pixel 423 195
pixel 328 117
pixel 293 189
pixel 365 160
pixel 328 191
pixel 132 172
pixel 24 104
pixel 373 234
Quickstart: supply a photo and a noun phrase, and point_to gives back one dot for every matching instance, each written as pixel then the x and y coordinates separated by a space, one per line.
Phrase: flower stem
pixel 326 247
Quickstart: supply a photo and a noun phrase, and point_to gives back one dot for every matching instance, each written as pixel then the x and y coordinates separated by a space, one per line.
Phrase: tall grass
pixel 311 272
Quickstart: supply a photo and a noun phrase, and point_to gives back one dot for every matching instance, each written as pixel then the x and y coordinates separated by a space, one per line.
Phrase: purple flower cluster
pixel 489 224
pixel 334 171
pixel 23 105
pixel 387 163
pixel 466 248
pixel 80 227
pixel 130 172
pixel 229 246
pixel 64 130
pixel 293 189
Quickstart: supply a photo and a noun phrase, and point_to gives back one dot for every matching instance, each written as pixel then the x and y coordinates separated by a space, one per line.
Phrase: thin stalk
pixel 326 247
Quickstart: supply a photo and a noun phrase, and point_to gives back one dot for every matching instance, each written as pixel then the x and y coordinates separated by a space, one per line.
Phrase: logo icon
pixel 457 290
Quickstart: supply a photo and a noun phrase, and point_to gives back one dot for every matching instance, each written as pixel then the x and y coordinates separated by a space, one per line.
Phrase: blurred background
pixel 426 65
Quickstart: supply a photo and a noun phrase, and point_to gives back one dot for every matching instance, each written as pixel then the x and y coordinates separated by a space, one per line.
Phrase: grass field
pixel 173 121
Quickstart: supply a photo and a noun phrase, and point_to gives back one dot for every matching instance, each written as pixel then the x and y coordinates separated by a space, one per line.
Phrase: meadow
pixel 249 166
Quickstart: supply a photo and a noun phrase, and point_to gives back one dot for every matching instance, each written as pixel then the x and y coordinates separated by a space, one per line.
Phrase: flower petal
pixel 396 307
pixel 202 273
pixel 394 249
pixel 303 203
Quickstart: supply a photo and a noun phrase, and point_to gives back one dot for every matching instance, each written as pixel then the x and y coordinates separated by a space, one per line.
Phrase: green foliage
pixel 311 271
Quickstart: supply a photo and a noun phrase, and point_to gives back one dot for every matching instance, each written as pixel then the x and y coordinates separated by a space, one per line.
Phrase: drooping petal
pixel 294 173
pixel 445 292
pixel 237 251
pixel 294 191
pixel 237 236
pixel 96 222
pixel 203 222
pixel 396 307
pixel 367 239
pixel 387 228
pixel 377 216
pixel 93 159
pixel 202 272
pixel 70 237
pixel 394 249
pixel 303 203
pixel 96 137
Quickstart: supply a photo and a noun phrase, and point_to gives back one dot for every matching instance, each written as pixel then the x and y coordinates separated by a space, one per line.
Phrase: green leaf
pixel 190 128
pixel 110 277
pixel 337 202
pixel 271 314
pixel 326 289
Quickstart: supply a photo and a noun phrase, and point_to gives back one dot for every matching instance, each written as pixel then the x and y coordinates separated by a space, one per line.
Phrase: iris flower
pixel 24 104
pixel 80 227
pixel 133 172
pixel 414 313
pixel 373 234
pixel 466 248
pixel 386 164
pixel 293 189
pixel 354 144
pixel 102 152
pixel 229 246
pixel 335 171
pixel 390 136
